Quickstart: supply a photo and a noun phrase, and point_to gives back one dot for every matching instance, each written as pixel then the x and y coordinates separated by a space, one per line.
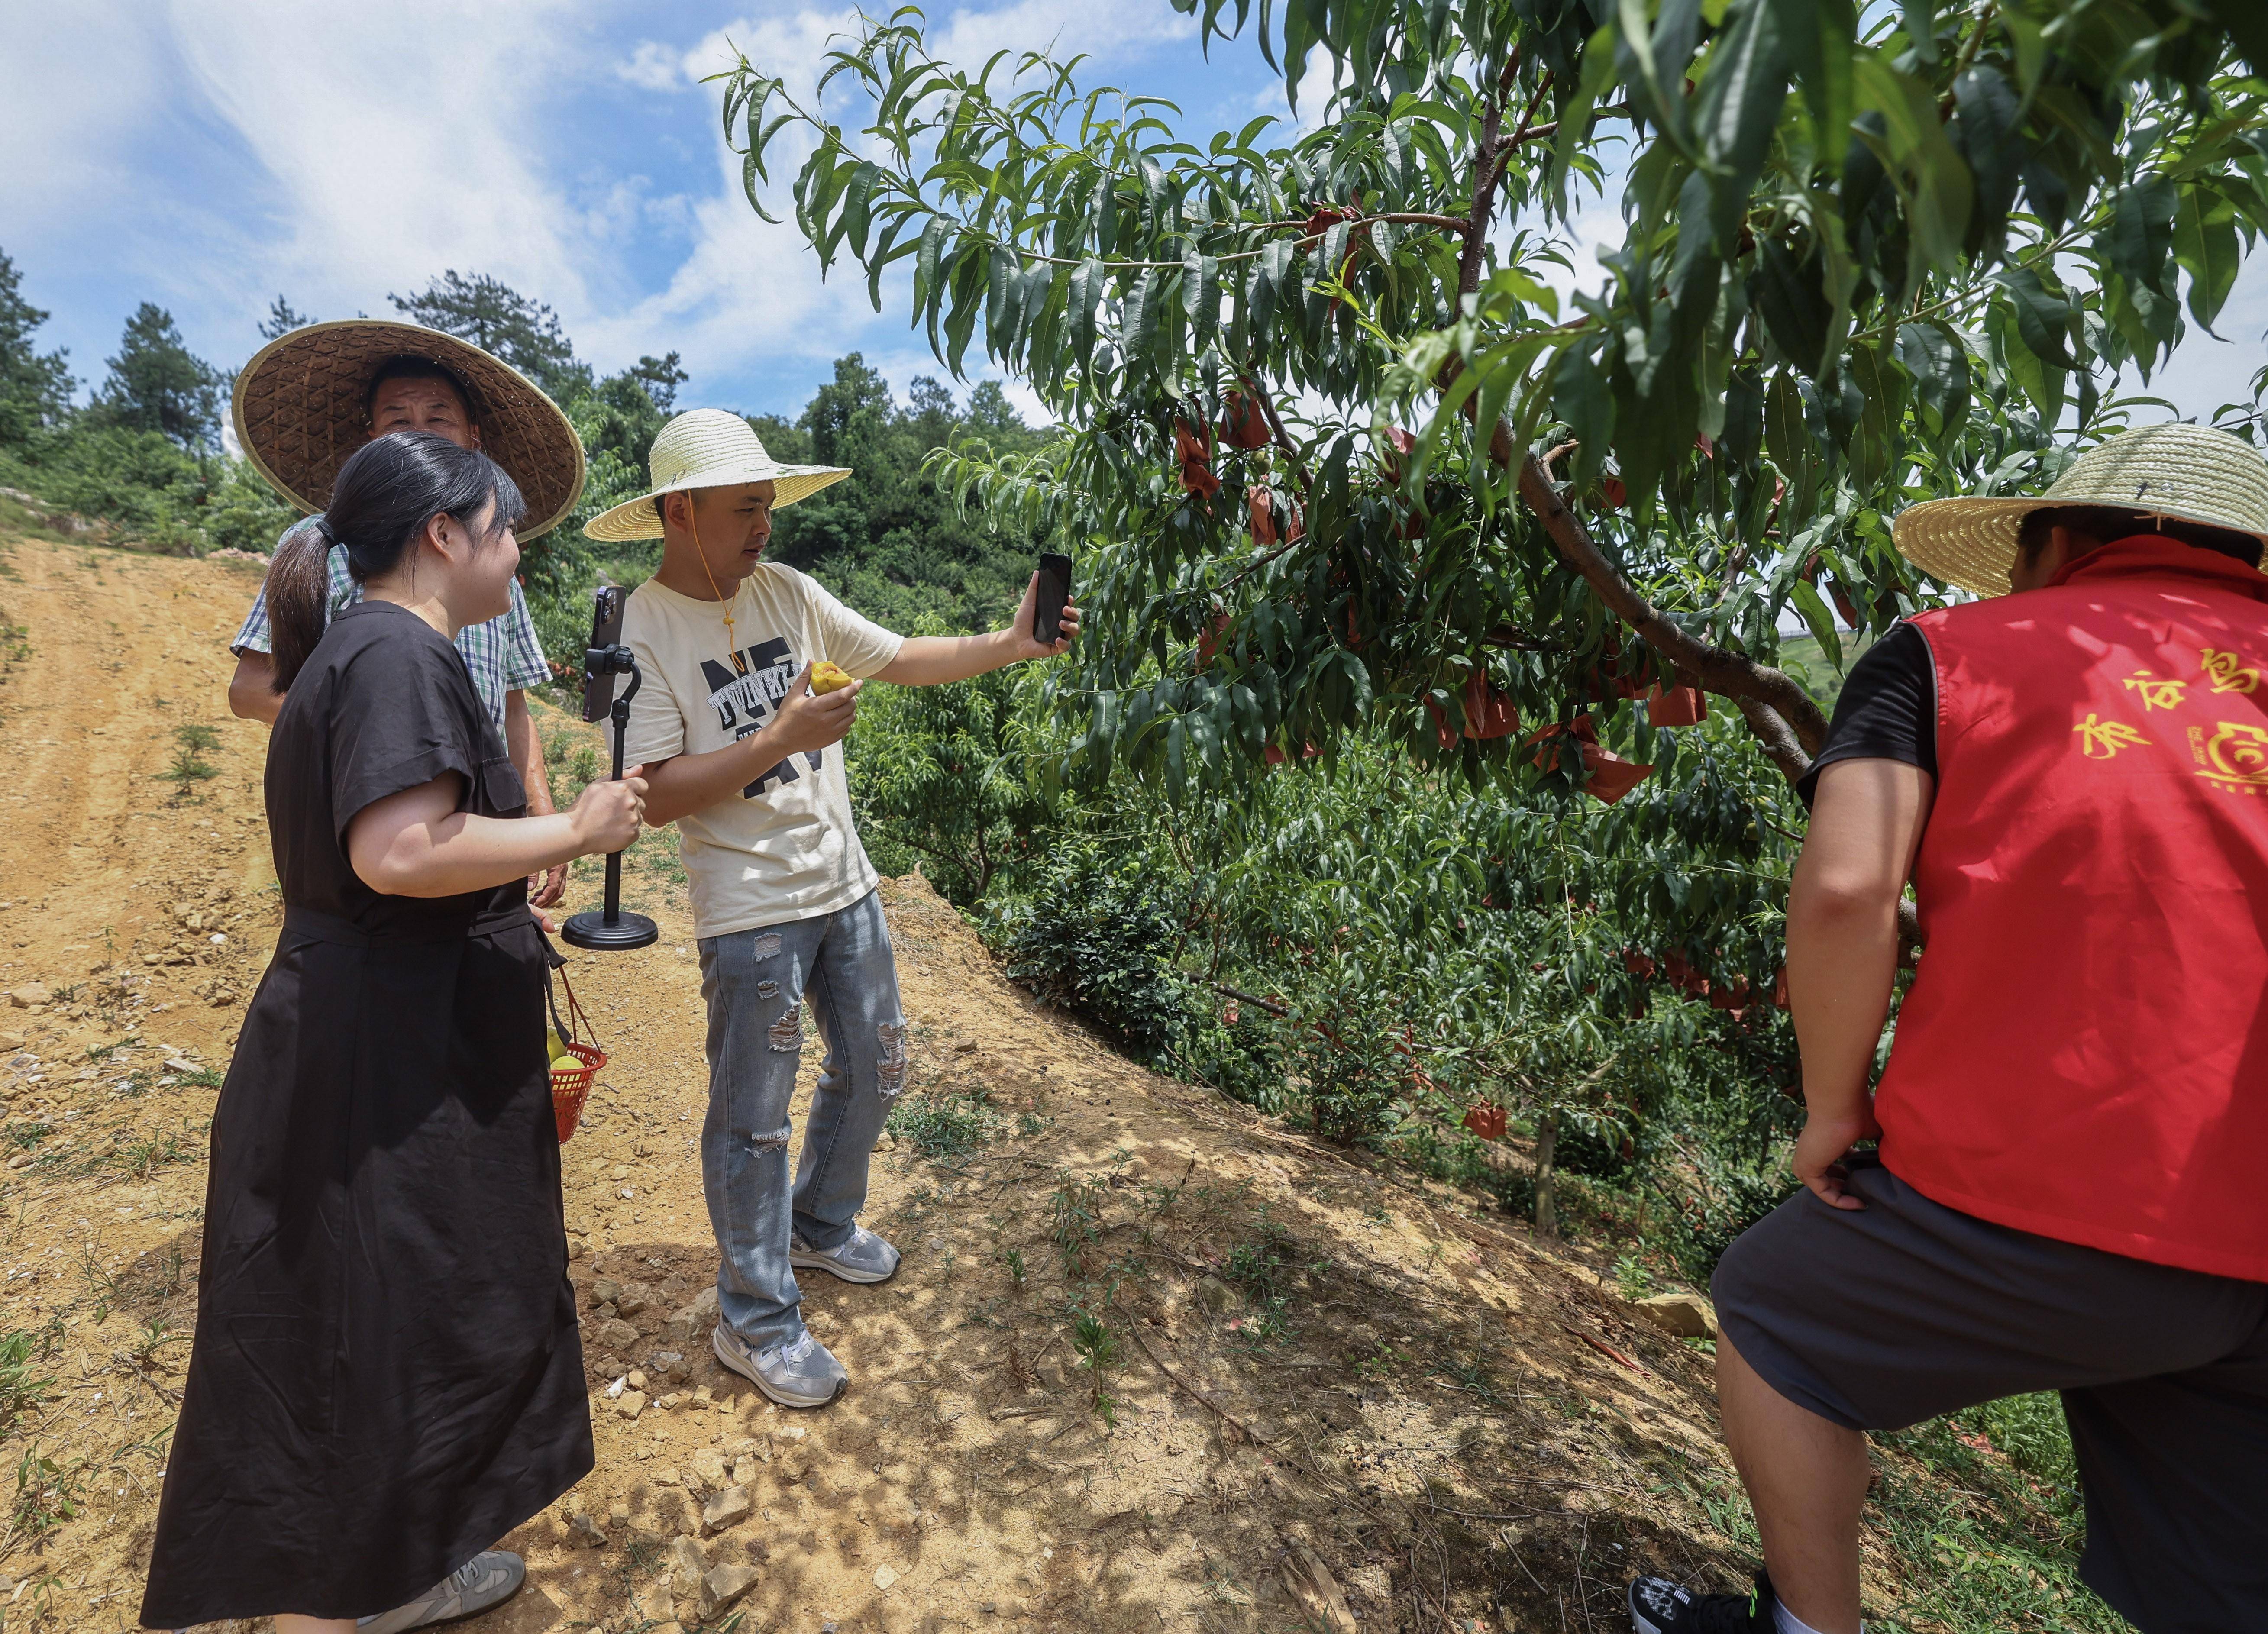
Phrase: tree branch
pixel 1731 674
pixel 1773 732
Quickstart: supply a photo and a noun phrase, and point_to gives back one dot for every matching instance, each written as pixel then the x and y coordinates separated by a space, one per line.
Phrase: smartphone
pixel 605 631
pixel 1055 590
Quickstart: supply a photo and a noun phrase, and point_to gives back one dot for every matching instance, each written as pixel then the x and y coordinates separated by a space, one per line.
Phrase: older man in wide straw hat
pixel 2073 774
pixel 311 397
pixel 741 750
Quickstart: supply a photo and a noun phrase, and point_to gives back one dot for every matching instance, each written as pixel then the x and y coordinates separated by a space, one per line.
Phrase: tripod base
pixel 592 929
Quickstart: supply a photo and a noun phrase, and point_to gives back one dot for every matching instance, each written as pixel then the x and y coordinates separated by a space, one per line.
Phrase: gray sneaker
pixel 800 1373
pixel 862 1256
pixel 489 1578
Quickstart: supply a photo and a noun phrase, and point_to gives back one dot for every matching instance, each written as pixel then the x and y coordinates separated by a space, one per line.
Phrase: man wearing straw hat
pixel 2073 774
pixel 745 757
pixel 310 398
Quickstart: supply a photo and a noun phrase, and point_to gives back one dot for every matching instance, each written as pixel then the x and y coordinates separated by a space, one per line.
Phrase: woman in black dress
pixel 386 1375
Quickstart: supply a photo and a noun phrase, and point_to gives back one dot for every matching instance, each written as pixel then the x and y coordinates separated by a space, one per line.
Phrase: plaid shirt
pixel 503 654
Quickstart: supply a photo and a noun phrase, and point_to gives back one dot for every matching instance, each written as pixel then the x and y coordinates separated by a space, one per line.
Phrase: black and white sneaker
pixel 1657 1606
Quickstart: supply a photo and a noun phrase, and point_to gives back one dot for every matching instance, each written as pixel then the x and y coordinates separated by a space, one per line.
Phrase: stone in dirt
pixel 587 1531
pixel 694 1319
pixel 727 1508
pixel 706 1470
pixel 1680 1316
pixel 631 1403
pixel 724 1585
pixel 688 1563
pixel 31 993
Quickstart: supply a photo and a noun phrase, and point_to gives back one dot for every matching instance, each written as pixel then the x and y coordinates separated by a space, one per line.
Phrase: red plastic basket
pixel 570 1086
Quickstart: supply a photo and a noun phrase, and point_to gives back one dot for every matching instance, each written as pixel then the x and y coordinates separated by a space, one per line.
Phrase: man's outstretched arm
pixel 931 660
pixel 1866 821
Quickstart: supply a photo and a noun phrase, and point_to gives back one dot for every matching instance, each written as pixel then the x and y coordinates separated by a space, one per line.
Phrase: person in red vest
pixel 2072 772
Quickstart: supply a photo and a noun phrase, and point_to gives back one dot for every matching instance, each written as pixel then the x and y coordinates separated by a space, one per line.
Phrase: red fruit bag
pixel 1244 426
pixel 1677 706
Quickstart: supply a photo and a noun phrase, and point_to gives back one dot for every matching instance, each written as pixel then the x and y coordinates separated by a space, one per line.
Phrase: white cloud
pixel 653 66
pixel 400 138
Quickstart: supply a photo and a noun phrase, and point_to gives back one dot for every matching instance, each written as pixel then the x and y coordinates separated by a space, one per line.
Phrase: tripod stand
pixel 608 929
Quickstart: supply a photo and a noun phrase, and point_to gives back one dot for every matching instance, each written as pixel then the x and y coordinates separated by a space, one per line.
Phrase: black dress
pixel 387 1376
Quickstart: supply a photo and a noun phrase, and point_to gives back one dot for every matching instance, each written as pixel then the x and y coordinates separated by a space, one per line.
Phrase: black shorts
pixel 1881 1318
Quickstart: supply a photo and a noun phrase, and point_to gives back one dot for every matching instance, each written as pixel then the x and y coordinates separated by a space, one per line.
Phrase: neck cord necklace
pixel 732 634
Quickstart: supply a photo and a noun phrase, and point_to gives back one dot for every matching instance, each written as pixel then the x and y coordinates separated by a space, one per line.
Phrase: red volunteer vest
pixel 2084 1052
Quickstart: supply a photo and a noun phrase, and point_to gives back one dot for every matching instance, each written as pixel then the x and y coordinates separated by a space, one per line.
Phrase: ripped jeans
pixel 756 982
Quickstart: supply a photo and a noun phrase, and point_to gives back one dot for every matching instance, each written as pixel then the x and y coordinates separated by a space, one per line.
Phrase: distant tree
pixel 661 377
pixel 282 318
pixel 888 539
pixel 500 320
pixel 157 384
pixel 35 386
pixel 827 417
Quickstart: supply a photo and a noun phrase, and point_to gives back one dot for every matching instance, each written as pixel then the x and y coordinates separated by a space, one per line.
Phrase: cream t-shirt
pixel 784 848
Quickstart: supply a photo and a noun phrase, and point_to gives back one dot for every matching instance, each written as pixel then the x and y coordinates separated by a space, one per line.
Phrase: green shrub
pixel 1098 937
pixel 149 490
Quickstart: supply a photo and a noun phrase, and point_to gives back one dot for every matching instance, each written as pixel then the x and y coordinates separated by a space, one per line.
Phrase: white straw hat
pixel 2191 472
pixel 708 448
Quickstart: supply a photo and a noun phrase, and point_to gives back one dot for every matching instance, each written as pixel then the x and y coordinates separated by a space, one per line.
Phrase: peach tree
pixel 1357 449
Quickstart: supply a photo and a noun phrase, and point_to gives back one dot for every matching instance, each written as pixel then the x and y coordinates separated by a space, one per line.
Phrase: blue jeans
pixel 756 982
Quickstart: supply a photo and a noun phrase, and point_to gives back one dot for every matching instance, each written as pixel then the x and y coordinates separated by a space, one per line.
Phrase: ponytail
pixel 298 591
pixel 386 492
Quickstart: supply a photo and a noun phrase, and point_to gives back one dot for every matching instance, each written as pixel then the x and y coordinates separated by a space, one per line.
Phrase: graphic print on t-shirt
pixel 746 700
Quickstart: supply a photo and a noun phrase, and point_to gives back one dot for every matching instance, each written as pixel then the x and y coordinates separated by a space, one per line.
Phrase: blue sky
pixel 207 156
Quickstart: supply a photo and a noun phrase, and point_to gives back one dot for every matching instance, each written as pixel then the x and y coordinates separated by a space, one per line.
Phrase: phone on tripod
pixel 606 633
pixel 609 928
pixel 1055 590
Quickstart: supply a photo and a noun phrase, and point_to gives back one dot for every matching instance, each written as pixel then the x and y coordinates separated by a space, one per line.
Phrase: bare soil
pixel 1323 1396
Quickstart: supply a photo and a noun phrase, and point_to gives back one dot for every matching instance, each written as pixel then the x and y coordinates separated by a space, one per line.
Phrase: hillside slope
pixel 1320 1396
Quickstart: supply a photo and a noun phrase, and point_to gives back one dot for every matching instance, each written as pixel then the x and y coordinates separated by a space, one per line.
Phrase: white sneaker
pixel 862 1256
pixel 799 1373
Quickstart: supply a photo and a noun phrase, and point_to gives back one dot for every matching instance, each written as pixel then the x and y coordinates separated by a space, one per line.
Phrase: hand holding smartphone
pixel 1055 590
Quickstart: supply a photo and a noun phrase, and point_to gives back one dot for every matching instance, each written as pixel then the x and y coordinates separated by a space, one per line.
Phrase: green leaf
pixel 1582 398
pixel 1737 111
pixel 1789 296
pixel 1813 607
pixel 1818 36
pixel 1986 132
pixel 1787 440
pixel 1940 368
pixel 933 240
pixel 1140 319
pixel 1921 28
pixel 1002 291
pixel 2042 316
pixel 2204 244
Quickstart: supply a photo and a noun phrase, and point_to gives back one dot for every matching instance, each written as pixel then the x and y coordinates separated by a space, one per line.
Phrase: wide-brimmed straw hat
pixel 708 448
pixel 302 405
pixel 2192 473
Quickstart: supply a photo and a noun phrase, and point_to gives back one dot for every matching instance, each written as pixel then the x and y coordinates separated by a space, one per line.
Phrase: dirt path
pixel 1317 1397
